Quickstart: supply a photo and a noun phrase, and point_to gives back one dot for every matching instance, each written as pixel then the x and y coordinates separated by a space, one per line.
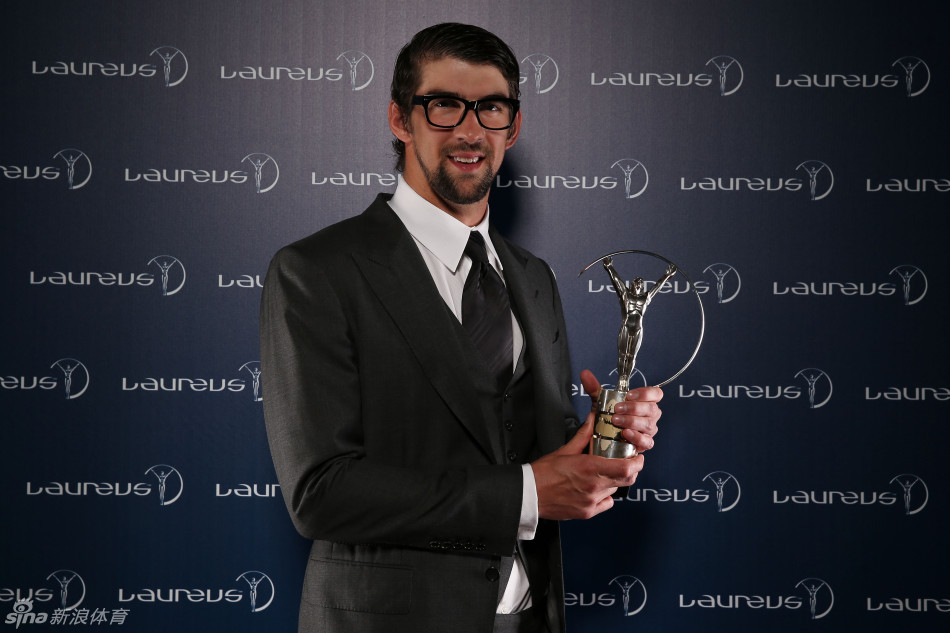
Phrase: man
pixel 430 478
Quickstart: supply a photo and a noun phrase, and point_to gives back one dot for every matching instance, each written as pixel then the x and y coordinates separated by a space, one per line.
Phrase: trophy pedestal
pixel 607 440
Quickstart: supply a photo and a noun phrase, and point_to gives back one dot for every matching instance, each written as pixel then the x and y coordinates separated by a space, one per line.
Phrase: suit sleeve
pixel 334 488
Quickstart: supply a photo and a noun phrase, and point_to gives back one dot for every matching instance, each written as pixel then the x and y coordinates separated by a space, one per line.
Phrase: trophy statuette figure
pixel 634 301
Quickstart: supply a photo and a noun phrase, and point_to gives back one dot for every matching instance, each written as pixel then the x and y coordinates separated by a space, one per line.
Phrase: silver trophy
pixel 634 301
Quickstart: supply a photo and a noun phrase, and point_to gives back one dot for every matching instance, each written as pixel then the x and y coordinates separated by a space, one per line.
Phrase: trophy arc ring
pixel 607 440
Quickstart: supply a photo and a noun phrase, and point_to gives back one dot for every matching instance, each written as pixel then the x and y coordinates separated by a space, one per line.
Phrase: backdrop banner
pixel 790 157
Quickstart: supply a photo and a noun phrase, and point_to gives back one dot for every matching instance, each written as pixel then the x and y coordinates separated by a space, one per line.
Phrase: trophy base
pixel 607 440
pixel 613 449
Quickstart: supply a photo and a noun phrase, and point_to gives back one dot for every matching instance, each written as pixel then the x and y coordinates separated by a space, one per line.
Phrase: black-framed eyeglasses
pixel 493 113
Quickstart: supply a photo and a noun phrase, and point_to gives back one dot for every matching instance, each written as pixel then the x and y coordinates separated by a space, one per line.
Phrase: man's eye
pixel 492 106
pixel 445 104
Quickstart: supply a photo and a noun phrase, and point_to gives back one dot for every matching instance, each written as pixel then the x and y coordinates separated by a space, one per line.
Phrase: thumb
pixel 578 444
pixel 591 384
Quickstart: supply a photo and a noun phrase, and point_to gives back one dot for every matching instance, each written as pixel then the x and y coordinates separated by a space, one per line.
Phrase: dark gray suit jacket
pixel 386 456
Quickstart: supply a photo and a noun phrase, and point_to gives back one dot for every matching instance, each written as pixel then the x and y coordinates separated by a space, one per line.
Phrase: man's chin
pixel 467 188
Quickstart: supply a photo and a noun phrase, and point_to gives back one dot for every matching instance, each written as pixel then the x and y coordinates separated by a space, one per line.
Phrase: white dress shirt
pixel 441 240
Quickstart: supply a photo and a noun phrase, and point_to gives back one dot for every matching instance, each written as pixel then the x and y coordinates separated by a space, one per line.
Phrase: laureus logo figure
pixel 633 303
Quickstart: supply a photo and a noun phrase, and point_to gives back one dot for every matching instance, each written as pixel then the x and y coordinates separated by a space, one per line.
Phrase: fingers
pixel 580 486
pixel 617 473
pixel 638 416
pixel 591 384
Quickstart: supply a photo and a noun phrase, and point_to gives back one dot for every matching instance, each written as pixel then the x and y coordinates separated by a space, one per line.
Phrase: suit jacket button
pixel 509 425
pixel 512 456
pixel 492 574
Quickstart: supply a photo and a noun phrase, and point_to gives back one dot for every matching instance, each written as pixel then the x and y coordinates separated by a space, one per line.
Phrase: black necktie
pixel 486 311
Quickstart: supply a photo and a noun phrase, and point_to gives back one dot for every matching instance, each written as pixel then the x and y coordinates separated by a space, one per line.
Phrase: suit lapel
pixel 397 275
pixel 528 285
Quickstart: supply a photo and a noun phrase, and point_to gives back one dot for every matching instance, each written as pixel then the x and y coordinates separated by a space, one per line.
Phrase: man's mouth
pixel 466 160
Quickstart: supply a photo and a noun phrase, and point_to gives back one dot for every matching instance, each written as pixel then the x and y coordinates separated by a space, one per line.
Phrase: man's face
pixel 453 168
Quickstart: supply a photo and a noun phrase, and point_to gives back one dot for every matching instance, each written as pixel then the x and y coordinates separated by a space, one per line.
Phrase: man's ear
pixel 398 123
pixel 514 130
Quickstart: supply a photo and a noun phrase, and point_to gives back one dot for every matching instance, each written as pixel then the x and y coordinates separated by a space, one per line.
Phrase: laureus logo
pixel 818 383
pixel 78 167
pixel 170 483
pixel 821 598
pixel 728 84
pixel 728 491
pixel 259 161
pixel 172 280
pixel 635 177
pixel 912 293
pixel 910 65
pixel 261 587
pixel 75 376
pixel 633 593
pixel 361 68
pixel 544 71
pixel 821 179
pixel 912 485
pixel 72 588
pixel 254 369
pixel 174 73
pixel 728 282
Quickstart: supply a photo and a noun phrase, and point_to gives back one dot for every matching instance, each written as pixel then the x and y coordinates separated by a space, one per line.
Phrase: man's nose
pixel 470 129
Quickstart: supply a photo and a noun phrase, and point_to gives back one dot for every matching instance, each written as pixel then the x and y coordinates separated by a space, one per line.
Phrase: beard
pixel 462 188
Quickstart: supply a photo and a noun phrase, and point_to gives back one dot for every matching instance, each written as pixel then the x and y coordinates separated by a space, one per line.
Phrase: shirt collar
pixel 435 229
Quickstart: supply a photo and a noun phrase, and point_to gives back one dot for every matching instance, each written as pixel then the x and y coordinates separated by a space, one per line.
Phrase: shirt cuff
pixel 529 505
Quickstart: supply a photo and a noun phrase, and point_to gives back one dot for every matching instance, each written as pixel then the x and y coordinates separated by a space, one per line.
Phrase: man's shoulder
pixel 527 259
pixel 344 236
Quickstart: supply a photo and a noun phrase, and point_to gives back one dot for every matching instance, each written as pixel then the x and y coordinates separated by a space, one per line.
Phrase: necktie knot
pixel 475 248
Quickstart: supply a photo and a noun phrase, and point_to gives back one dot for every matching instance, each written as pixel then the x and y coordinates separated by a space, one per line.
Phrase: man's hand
pixel 572 485
pixel 637 415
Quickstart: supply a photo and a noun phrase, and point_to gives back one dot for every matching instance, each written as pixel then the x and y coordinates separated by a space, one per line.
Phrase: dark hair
pixel 459 41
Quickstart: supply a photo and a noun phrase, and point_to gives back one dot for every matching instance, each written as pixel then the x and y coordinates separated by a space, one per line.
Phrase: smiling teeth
pixel 466 160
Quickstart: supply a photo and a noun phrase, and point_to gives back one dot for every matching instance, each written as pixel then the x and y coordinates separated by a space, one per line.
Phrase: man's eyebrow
pixel 449 93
